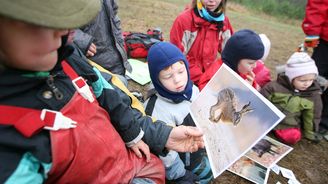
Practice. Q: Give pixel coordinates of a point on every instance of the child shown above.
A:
(169, 73)
(52, 125)
(241, 54)
(201, 33)
(297, 94)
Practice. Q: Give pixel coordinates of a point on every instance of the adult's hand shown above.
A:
(185, 139)
(92, 50)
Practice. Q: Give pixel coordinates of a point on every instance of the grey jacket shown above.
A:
(105, 32)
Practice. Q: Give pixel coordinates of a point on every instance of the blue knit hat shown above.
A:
(244, 44)
(160, 56)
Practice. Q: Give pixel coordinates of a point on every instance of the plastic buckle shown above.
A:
(56, 120)
(83, 89)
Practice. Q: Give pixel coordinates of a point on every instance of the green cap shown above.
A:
(62, 14)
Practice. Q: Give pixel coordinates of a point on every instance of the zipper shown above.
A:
(51, 83)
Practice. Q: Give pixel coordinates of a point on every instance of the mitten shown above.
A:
(311, 41)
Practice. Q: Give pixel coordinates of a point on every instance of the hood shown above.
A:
(160, 56)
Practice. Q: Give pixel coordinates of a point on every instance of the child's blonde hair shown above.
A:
(169, 67)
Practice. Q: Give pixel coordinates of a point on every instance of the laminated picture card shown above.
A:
(257, 162)
(233, 116)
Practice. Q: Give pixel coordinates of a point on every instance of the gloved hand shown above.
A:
(311, 41)
(188, 178)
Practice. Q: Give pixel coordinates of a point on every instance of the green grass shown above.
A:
(292, 9)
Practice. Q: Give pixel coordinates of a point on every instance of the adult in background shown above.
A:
(315, 26)
(101, 40)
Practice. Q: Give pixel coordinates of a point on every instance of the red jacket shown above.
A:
(316, 18)
(262, 74)
(199, 40)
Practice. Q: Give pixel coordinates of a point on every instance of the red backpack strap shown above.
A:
(30, 121)
(69, 70)
(78, 82)
(27, 121)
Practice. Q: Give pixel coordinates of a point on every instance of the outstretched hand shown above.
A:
(141, 148)
(185, 139)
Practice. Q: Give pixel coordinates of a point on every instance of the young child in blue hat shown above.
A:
(169, 72)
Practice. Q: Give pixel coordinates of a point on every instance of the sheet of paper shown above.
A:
(140, 72)
(287, 173)
(293, 181)
(276, 169)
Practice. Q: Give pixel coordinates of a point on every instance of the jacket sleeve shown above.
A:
(262, 74)
(314, 17)
(125, 108)
(308, 119)
(312, 116)
(208, 74)
(227, 33)
(116, 19)
(82, 40)
(108, 98)
(267, 91)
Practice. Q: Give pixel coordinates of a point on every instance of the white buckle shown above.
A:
(60, 121)
(84, 90)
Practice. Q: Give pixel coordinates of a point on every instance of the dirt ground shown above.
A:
(308, 161)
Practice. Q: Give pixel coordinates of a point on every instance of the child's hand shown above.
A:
(141, 147)
(92, 50)
(250, 77)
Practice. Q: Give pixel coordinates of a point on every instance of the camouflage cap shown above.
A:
(61, 14)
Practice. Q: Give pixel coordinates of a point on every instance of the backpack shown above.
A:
(137, 44)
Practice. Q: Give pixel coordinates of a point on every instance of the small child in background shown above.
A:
(241, 54)
(297, 94)
(169, 72)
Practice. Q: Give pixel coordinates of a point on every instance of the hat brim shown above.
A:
(60, 14)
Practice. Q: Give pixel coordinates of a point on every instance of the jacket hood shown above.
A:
(284, 80)
(160, 56)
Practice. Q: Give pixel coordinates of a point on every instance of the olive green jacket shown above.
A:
(302, 108)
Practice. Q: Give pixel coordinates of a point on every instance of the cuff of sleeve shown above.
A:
(136, 140)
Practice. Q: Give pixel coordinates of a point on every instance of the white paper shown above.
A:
(287, 173)
(276, 169)
(293, 181)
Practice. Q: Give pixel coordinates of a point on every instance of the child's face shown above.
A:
(246, 66)
(28, 47)
(174, 77)
(211, 4)
(303, 82)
